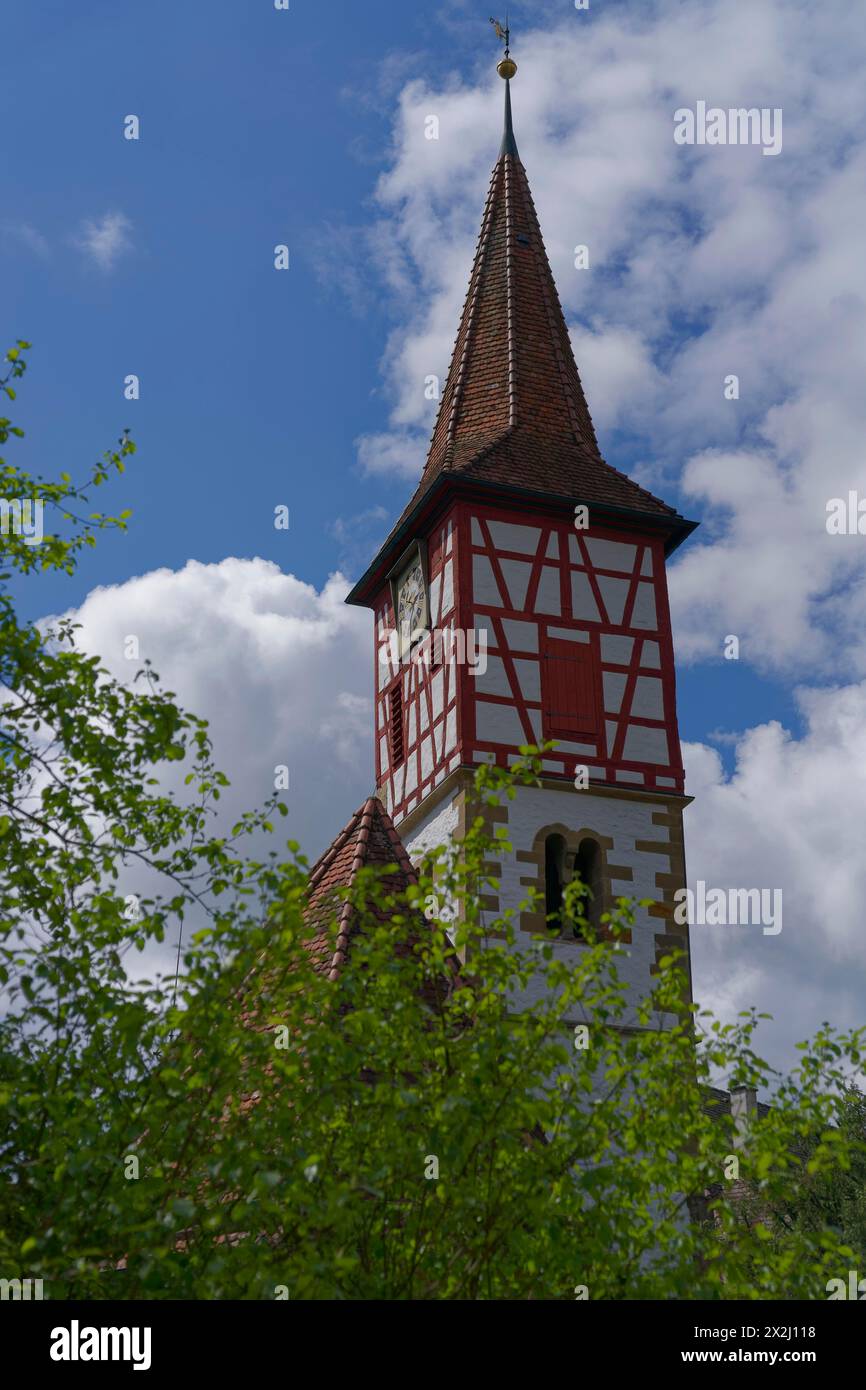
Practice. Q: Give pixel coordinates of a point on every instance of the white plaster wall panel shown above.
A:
(426, 758)
(497, 724)
(616, 649)
(666, 781)
(646, 568)
(482, 624)
(437, 687)
(454, 762)
(494, 681)
(625, 821)
(508, 536)
(644, 614)
(529, 678)
(450, 730)
(521, 637)
(399, 778)
(435, 599)
(384, 759)
(411, 727)
(574, 551)
(447, 644)
(411, 774)
(480, 756)
(645, 745)
(477, 536)
(517, 574)
(449, 543)
(547, 598)
(434, 829)
(437, 738)
(625, 776)
(534, 718)
(613, 593)
(484, 587)
(650, 656)
(611, 736)
(553, 546)
(447, 588)
(583, 602)
(648, 701)
(583, 750)
(568, 634)
(614, 688)
(424, 715)
(611, 555)
(389, 800)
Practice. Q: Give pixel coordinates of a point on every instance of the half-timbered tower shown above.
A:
(522, 597)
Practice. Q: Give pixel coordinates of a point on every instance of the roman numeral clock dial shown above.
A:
(411, 603)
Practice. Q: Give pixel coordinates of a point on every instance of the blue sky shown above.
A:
(253, 384)
(261, 388)
(257, 127)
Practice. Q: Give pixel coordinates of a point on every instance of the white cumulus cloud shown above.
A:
(282, 672)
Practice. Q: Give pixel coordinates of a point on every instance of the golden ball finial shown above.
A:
(506, 67)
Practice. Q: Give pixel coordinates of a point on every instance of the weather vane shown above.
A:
(506, 67)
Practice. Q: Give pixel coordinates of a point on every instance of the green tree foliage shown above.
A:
(255, 1130)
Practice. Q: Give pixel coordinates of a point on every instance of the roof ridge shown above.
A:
(364, 818)
(327, 855)
(341, 949)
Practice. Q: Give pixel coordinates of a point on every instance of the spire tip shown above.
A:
(506, 67)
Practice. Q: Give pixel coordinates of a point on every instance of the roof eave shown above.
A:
(679, 528)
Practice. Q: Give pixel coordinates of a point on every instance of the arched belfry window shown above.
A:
(561, 865)
(588, 868)
(554, 880)
(560, 854)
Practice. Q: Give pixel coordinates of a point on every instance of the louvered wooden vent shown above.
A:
(396, 726)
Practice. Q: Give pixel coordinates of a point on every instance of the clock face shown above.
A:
(411, 603)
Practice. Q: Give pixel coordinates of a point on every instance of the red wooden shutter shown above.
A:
(568, 689)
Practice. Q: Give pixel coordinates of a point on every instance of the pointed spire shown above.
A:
(509, 144)
(513, 410)
(512, 414)
(507, 68)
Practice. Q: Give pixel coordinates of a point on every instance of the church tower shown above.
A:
(522, 597)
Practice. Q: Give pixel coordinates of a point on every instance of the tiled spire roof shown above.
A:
(513, 415)
(513, 409)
